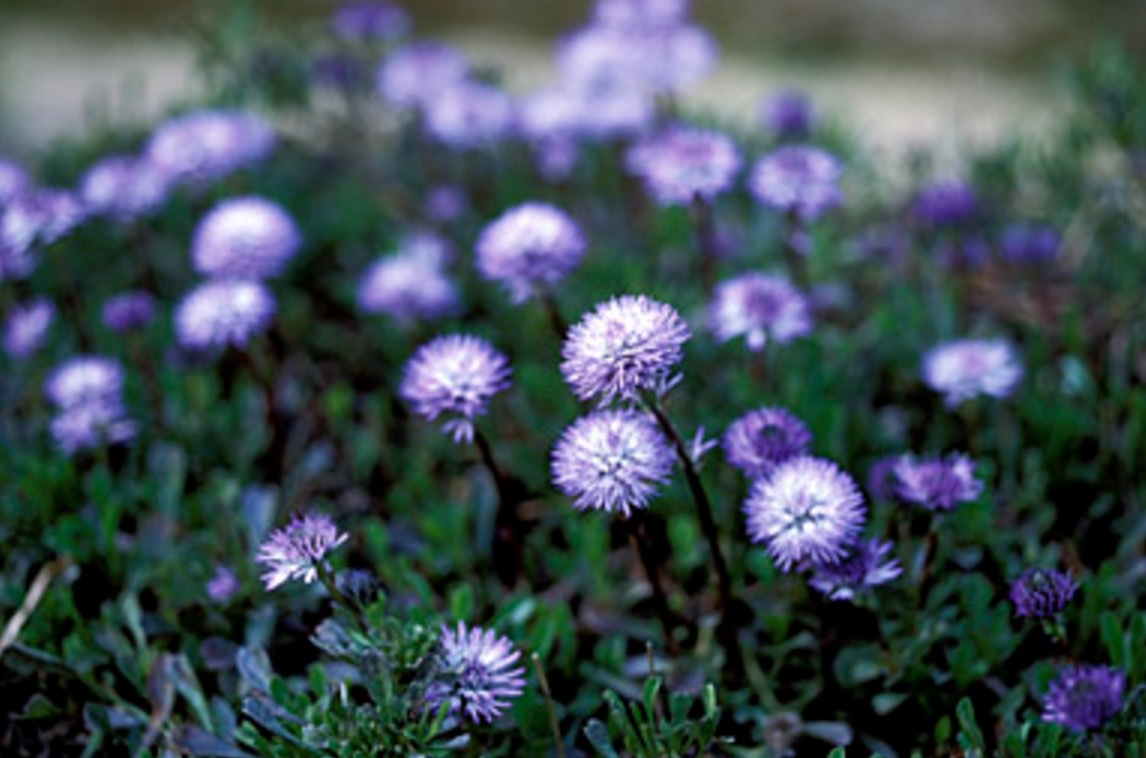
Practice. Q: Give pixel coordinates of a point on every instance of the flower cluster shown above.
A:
(759, 307)
(476, 674)
(87, 391)
(298, 550)
(528, 248)
(961, 370)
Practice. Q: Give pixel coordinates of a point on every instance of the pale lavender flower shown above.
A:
(14, 180)
(222, 312)
(469, 115)
(529, 248)
(32, 220)
(454, 376)
(945, 204)
(964, 369)
(648, 60)
(625, 346)
(1042, 593)
(27, 327)
(1084, 697)
(680, 165)
(552, 113)
(222, 585)
(798, 179)
(1029, 244)
(128, 311)
(408, 287)
(938, 484)
(612, 460)
(759, 307)
(415, 74)
(788, 115)
(206, 145)
(369, 20)
(477, 674)
(640, 14)
(124, 188)
(762, 439)
(868, 566)
(445, 203)
(298, 550)
(806, 511)
(84, 380)
(555, 157)
(245, 238)
(91, 424)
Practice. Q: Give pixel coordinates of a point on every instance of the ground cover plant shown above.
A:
(367, 409)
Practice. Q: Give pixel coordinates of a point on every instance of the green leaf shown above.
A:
(598, 735)
(965, 712)
(1112, 638)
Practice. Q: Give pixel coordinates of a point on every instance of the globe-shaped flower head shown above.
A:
(128, 311)
(528, 248)
(27, 326)
(88, 392)
(469, 115)
(625, 346)
(223, 312)
(124, 188)
(788, 115)
(454, 376)
(758, 307)
(964, 369)
(85, 379)
(408, 287)
(612, 460)
(245, 238)
(1042, 593)
(937, 484)
(867, 567)
(762, 439)
(298, 550)
(682, 164)
(477, 674)
(806, 510)
(944, 204)
(798, 179)
(1084, 697)
(414, 74)
(206, 145)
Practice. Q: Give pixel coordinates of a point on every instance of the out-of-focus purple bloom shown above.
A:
(408, 287)
(881, 479)
(222, 585)
(1084, 697)
(758, 308)
(762, 439)
(887, 244)
(445, 203)
(970, 251)
(469, 115)
(1029, 244)
(128, 311)
(34, 219)
(92, 424)
(223, 312)
(612, 460)
(649, 59)
(83, 380)
(369, 20)
(788, 115)
(477, 674)
(417, 73)
(625, 346)
(806, 511)
(298, 550)
(1042, 593)
(640, 14)
(798, 179)
(946, 204)
(206, 145)
(245, 238)
(124, 188)
(339, 71)
(14, 180)
(555, 157)
(454, 376)
(681, 164)
(556, 112)
(868, 566)
(938, 484)
(963, 369)
(529, 248)
(27, 326)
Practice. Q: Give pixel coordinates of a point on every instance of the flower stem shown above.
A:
(795, 257)
(554, 722)
(507, 545)
(639, 535)
(553, 313)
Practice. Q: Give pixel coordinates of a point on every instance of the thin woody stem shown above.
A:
(553, 313)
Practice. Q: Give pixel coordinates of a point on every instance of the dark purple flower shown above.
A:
(798, 179)
(245, 238)
(445, 203)
(222, 585)
(206, 145)
(124, 188)
(868, 566)
(963, 369)
(339, 71)
(417, 73)
(1029, 244)
(612, 461)
(1042, 593)
(368, 20)
(298, 550)
(758, 307)
(682, 164)
(938, 484)
(27, 327)
(881, 479)
(762, 439)
(14, 180)
(788, 115)
(806, 511)
(128, 311)
(477, 674)
(223, 312)
(946, 204)
(1084, 697)
(967, 251)
(469, 115)
(529, 248)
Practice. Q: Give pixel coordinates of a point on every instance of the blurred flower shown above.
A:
(762, 439)
(1029, 244)
(555, 157)
(965, 251)
(368, 20)
(34, 219)
(27, 326)
(648, 59)
(417, 73)
(868, 566)
(758, 307)
(612, 460)
(529, 248)
(938, 484)
(245, 238)
(222, 312)
(807, 510)
(298, 550)
(788, 115)
(92, 424)
(881, 479)
(625, 346)
(963, 369)
(946, 204)
(222, 585)
(205, 145)
(14, 180)
(408, 287)
(123, 188)
(85, 379)
(1042, 593)
(640, 13)
(445, 202)
(128, 311)
(797, 179)
(339, 71)
(682, 164)
(469, 115)
(1084, 697)
(455, 375)
(477, 675)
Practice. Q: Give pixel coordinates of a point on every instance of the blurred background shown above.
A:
(902, 72)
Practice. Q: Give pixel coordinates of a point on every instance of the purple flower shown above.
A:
(529, 248)
(124, 188)
(868, 566)
(627, 345)
(298, 550)
(205, 145)
(455, 376)
(965, 251)
(476, 674)
(245, 238)
(807, 510)
(1042, 593)
(963, 369)
(797, 179)
(416, 73)
(612, 461)
(14, 180)
(1084, 697)
(938, 484)
(223, 312)
(445, 203)
(222, 585)
(758, 307)
(647, 59)
(640, 13)
(27, 327)
(681, 164)
(34, 219)
(788, 115)
(1029, 244)
(552, 113)
(128, 311)
(92, 424)
(339, 71)
(85, 379)
(881, 479)
(762, 439)
(469, 115)
(946, 204)
(367, 20)
(408, 287)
